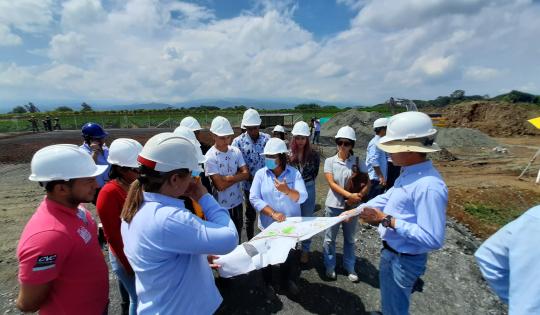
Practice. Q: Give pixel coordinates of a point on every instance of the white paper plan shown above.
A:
(272, 245)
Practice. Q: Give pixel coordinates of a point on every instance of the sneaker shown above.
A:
(304, 258)
(331, 274)
(353, 277)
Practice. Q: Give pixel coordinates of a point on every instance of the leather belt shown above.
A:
(386, 246)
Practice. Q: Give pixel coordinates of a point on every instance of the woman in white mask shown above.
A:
(277, 192)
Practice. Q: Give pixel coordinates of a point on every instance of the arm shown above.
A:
(335, 187)
(223, 182)
(41, 258)
(109, 206)
(31, 297)
(186, 233)
(255, 194)
(493, 260)
(373, 156)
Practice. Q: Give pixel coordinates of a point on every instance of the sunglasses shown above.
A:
(344, 143)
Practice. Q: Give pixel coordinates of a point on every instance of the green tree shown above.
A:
(18, 110)
(311, 106)
(86, 108)
(457, 94)
(63, 109)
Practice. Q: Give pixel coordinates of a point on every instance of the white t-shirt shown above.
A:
(225, 163)
(341, 171)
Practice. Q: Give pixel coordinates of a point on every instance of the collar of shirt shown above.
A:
(164, 200)
(344, 162)
(56, 206)
(284, 174)
(417, 168)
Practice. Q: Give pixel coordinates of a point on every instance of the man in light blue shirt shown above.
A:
(411, 216)
(376, 160)
(509, 261)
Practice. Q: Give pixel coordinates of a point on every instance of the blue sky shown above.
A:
(343, 51)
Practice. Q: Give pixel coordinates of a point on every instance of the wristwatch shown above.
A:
(387, 221)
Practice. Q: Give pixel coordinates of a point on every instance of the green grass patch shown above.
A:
(492, 215)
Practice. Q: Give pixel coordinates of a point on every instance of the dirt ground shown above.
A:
(453, 282)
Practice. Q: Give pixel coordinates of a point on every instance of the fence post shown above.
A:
(76, 125)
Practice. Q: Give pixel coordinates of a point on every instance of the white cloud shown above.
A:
(31, 16)
(7, 38)
(149, 50)
(481, 73)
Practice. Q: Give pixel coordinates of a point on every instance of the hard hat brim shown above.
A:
(100, 169)
(407, 146)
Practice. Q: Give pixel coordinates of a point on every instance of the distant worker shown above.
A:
(411, 216)
(507, 261)
(279, 132)
(277, 193)
(338, 169)
(123, 171)
(376, 159)
(166, 245)
(45, 126)
(194, 125)
(226, 168)
(49, 123)
(306, 161)
(34, 122)
(57, 124)
(251, 144)
(317, 131)
(61, 266)
(94, 143)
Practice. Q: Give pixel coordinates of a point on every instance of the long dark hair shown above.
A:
(149, 181)
(295, 151)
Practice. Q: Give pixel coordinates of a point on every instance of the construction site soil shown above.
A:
(474, 175)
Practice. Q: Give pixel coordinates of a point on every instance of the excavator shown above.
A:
(396, 103)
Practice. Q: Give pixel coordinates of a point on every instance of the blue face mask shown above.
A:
(195, 173)
(270, 163)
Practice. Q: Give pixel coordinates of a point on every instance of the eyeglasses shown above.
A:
(252, 128)
(344, 143)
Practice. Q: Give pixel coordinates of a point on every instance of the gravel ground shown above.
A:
(453, 284)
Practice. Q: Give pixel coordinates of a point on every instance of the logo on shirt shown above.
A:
(45, 262)
(84, 234)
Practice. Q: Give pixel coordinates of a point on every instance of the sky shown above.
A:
(343, 51)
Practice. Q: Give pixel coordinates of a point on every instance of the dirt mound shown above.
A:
(464, 137)
(493, 118)
(442, 155)
(361, 122)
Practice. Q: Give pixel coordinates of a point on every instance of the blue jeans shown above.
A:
(307, 208)
(397, 276)
(127, 281)
(329, 245)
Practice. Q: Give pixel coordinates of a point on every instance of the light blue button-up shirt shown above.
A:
(263, 193)
(418, 201)
(167, 246)
(101, 160)
(376, 157)
(510, 263)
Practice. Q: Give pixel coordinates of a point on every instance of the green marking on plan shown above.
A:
(272, 233)
(288, 230)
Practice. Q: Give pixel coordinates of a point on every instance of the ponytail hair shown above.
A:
(149, 181)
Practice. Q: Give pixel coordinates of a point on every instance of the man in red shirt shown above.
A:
(61, 267)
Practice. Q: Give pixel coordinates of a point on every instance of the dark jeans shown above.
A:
(376, 189)
(287, 270)
(316, 137)
(251, 216)
(237, 216)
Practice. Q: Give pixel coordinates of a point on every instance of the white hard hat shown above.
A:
(380, 122)
(251, 118)
(191, 123)
(63, 162)
(221, 127)
(187, 133)
(166, 152)
(409, 131)
(279, 128)
(275, 146)
(124, 152)
(301, 128)
(346, 132)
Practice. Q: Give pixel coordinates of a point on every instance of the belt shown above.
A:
(386, 246)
